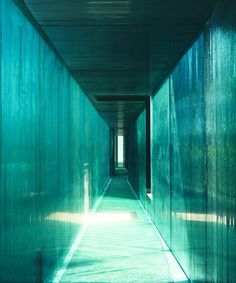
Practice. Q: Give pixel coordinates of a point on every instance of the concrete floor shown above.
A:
(120, 244)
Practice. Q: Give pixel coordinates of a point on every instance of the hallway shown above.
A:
(91, 90)
(121, 245)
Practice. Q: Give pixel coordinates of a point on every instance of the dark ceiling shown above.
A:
(120, 47)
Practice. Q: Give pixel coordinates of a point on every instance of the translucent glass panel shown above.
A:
(188, 163)
(161, 161)
(193, 154)
(54, 153)
(193, 160)
(137, 156)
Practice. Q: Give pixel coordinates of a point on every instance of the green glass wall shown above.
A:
(54, 153)
(136, 155)
(194, 153)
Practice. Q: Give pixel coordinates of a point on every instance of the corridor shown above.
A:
(117, 141)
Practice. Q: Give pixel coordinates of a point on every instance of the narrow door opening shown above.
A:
(120, 151)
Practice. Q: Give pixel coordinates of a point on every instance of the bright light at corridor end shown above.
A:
(120, 149)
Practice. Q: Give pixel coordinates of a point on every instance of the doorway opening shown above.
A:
(120, 148)
(120, 151)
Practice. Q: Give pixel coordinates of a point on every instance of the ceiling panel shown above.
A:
(120, 47)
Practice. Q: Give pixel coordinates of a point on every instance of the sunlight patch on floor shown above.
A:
(92, 218)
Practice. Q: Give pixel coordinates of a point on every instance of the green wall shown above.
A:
(54, 151)
(137, 156)
(194, 154)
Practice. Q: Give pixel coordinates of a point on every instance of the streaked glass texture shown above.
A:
(54, 153)
(194, 153)
(137, 156)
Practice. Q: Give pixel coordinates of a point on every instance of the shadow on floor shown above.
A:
(120, 172)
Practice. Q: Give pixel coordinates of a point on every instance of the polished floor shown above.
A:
(120, 244)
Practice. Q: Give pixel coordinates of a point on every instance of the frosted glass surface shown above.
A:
(194, 154)
(54, 153)
(137, 156)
